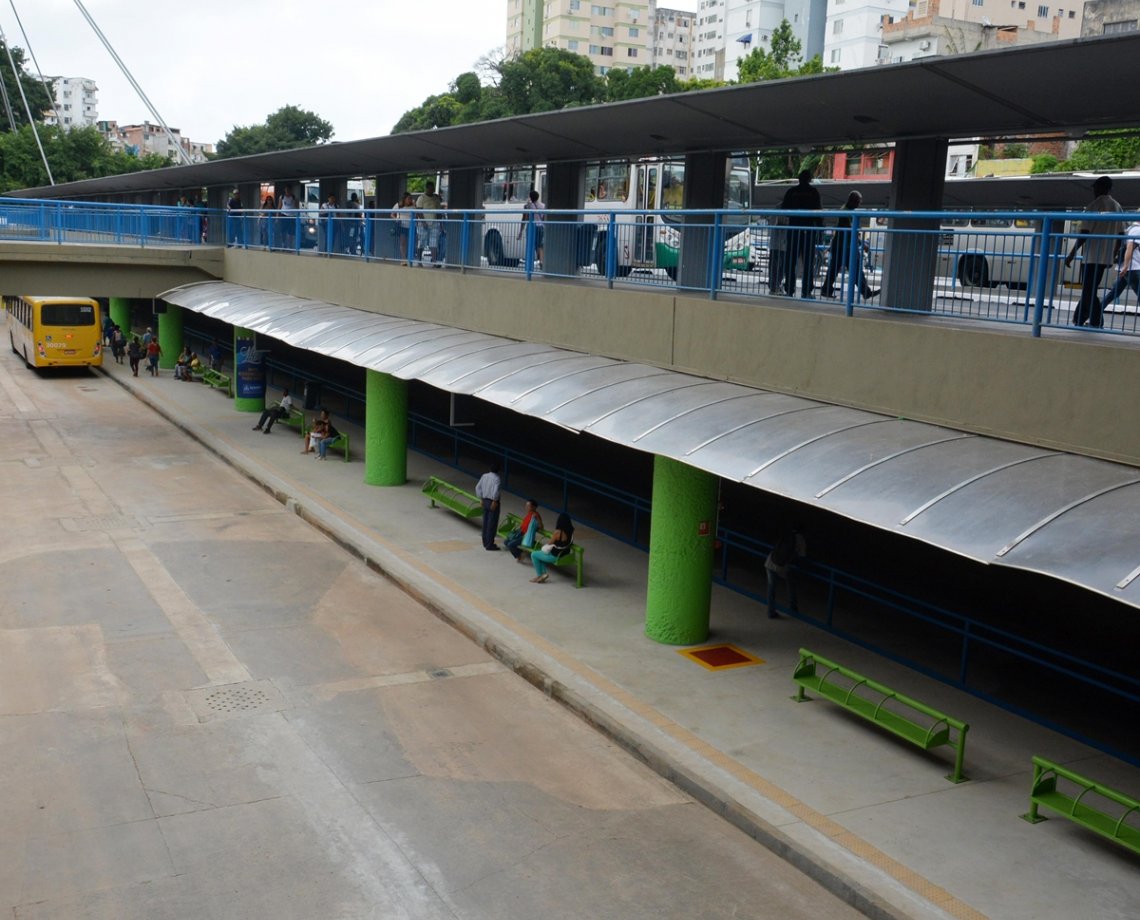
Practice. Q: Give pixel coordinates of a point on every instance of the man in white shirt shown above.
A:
(1129, 276)
(273, 413)
(487, 490)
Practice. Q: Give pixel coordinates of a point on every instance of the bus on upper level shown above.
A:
(55, 331)
(617, 191)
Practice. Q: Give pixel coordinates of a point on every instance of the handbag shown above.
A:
(548, 548)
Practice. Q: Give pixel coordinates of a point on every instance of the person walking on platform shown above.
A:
(134, 354)
(1099, 253)
(487, 490)
(840, 251)
(778, 567)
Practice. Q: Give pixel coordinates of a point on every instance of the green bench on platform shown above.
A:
(1076, 806)
(883, 708)
(573, 558)
(453, 498)
(295, 419)
(217, 380)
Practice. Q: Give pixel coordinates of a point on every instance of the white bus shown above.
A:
(613, 189)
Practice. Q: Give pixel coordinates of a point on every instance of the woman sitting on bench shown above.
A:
(561, 538)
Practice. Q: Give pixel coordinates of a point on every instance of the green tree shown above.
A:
(81, 153)
(1044, 163)
(641, 82)
(1108, 150)
(784, 58)
(548, 79)
(286, 129)
(39, 99)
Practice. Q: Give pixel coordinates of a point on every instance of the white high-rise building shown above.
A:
(673, 41)
(708, 40)
(76, 102)
(750, 23)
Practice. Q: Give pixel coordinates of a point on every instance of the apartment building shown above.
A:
(1110, 17)
(76, 102)
(140, 140)
(673, 41)
(611, 33)
(861, 33)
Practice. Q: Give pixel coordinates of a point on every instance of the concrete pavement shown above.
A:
(871, 817)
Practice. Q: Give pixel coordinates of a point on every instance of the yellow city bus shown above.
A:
(55, 331)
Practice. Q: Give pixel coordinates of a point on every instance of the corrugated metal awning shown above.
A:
(1071, 517)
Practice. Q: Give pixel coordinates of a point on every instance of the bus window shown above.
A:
(673, 186)
(67, 314)
(607, 181)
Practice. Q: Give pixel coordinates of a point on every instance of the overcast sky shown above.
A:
(208, 65)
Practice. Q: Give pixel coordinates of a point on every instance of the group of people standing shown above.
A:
(488, 490)
(430, 243)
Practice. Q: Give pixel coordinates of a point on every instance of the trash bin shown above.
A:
(312, 395)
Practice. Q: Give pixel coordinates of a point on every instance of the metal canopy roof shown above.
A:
(1028, 90)
(997, 502)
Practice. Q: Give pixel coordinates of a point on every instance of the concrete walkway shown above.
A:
(872, 817)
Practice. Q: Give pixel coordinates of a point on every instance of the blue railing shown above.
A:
(1002, 267)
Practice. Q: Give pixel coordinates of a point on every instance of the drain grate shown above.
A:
(237, 699)
(439, 673)
(231, 700)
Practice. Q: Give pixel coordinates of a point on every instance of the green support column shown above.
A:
(385, 430)
(170, 335)
(680, 553)
(248, 375)
(120, 310)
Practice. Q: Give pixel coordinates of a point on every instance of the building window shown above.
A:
(1043, 11)
(575, 5)
(1072, 14)
(1110, 28)
(835, 55)
(607, 51)
(601, 11)
(837, 27)
(634, 32)
(631, 52)
(572, 44)
(979, 2)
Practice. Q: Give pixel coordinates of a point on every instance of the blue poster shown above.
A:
(250, 370)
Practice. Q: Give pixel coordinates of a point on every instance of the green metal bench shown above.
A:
(925, 734)
(453, 498)
(342, 439)
(217, 380)
(1076, 807)
(572, 558)
(295, 419)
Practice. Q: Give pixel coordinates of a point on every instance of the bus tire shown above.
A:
(974, 271)
(493, 248)
(27, 363)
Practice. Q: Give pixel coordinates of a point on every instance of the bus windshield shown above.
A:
(67, 314)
